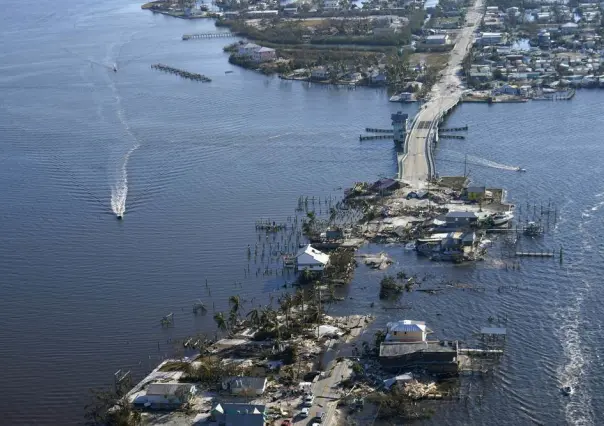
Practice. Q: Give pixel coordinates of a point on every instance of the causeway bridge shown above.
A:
(415, 163)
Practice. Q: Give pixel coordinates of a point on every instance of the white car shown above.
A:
(308, 400)
(304, 412)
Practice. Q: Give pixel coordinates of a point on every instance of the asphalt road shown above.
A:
(413, 165)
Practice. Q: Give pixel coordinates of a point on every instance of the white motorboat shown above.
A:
(566, 390)
(520, 169)
(502, 218)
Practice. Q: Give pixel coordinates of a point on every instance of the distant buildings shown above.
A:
(438, 40)
(489, 39)
(257, 53)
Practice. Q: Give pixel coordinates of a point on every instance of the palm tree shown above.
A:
(254, 316)
(298, 299)
(235, 303)
(221, 321)
(268, 317)
(286, 303)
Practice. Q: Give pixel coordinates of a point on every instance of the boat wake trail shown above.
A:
(474, 160)
(119, 190)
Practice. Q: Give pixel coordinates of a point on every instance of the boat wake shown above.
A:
(460, 157)
(119, 190)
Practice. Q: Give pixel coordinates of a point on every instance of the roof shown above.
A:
(399, 349)
(462, 214)
(265, 49)
(315, 254)
(409, 326)
(168, 388)
(437, 37)
(234, 408)
(250, 46)
(247, 382)
(570, 25)
(483, 188)
(491, 34)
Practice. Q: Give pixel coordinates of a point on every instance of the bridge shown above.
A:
(415, 163)
(208, 35)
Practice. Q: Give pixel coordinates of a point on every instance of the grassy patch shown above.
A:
(175, 366)
(433, 60)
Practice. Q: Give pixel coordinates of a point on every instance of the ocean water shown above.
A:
(192, 166)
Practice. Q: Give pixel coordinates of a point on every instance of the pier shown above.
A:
(558, 96)
(372, 130)
(207, 35)
(374, 137)
(182, 73)
(415, 163)
(453, 129)
(451, 137)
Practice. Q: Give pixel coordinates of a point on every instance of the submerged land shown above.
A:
(290, 361)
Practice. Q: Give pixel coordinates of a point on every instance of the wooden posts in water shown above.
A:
(207, 35)
(168, 320)
(182, 73)
(373, 137)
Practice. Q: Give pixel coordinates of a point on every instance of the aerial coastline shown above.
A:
(442, 218)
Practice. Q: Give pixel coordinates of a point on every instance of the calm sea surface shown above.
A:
(194, 165)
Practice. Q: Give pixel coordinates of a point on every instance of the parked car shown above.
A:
(304, 412)
(286, 422)
(308, 400)
(319, 417)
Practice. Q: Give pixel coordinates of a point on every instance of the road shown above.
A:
(413, 166)
(327, 393)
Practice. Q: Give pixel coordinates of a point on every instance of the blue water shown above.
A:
(194, 165)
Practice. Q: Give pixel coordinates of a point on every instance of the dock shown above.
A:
(453, 129)
(182, 73)
(373, 137)
(207, 35)
(558, 96)
(451, 136)
(535, 253)
(372, 130)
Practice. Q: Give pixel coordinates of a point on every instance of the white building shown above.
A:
(161, 396)
(487, 39)
(246, 386)
(319, 73)
(311, 259)
(248, 49)
(438, 39)
(406, 331)
(331, 4)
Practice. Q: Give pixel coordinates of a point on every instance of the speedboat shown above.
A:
(520, 169)
(114, 67)
(502, 218)
(566, 390)
(120, 217)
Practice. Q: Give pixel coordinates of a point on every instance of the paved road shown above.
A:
(413, 166)
(327, 393)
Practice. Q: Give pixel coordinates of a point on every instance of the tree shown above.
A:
(235, 304)
(221, 321)
(109, 408)
(254, 316)
(287, 302)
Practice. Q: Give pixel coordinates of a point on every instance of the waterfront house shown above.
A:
(311, 259)
(406, 331)
(290, 9)
(165, 396)
(385, 185)
(246, 386)
(434, 357)
(377, 77)
(460, 219)
(231, 414)
(319, 73)
(248, 49)
(264, 54)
